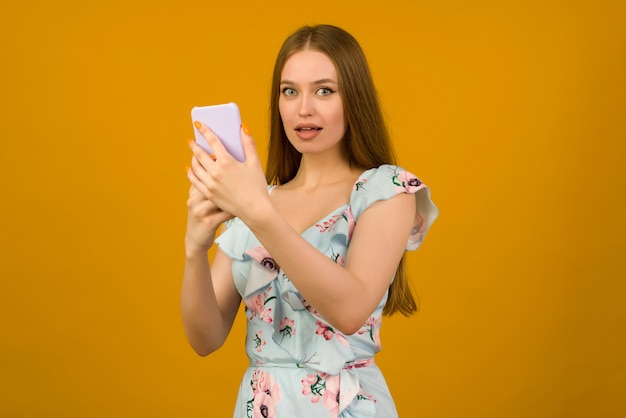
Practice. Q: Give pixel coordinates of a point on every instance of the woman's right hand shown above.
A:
(203, 220)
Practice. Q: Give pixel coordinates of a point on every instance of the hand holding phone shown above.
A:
(225, 122)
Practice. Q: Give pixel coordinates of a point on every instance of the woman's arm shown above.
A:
(209, 300)
(344, 296)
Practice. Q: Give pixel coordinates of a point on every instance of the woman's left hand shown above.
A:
(234, 187)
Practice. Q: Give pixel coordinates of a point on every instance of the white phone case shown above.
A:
(225, 121)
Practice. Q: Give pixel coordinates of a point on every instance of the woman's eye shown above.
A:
(288, 91)
(324, 91)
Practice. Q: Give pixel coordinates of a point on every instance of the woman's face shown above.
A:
(310, 103)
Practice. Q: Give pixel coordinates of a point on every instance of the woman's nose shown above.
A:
(306, 106)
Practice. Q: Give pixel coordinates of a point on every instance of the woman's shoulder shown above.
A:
(386, 181)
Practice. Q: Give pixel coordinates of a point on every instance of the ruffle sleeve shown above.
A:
(230, 241)
(387, 181)
(253, 268)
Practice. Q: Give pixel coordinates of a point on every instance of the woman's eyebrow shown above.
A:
(316, 82)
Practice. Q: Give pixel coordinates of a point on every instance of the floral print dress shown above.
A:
(299, 365)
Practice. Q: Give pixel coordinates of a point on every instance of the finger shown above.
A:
(191, 144)
(195, 180)
(197, 167)
(199, 171)
(202, 209)
(249, 148)
(214, 142)
(200, 153)
(195, 195)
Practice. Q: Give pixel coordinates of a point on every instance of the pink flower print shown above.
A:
(324, 330)
(364, 396)
(330, 398)
(328, 333)
(259, 342)
(359, 184)
(313, 385)
(287, 328)
(265, 382)
(372, 326)
(263, 406)
(406, 181)
(266, 394)
(256, 306)
(358, 364)
(337, 257)
(347, 215)
(328, 225)
(309, 307)
(324, 386)
(261, 256)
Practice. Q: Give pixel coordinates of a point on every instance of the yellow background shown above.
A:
(513, 113)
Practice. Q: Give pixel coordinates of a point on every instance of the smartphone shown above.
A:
(225, 121)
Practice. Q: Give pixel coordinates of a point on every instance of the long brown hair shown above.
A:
(366, 139)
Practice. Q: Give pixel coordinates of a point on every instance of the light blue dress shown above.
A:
(299, 365)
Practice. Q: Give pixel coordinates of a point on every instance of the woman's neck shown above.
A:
(318, 170)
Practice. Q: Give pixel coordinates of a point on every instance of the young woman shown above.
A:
(316, 256)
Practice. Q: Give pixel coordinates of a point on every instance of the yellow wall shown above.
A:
(513, 112)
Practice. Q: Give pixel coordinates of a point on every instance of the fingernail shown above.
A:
(189, 142)
(245, 128)
(212, 157)
(187, 169)
(197, 124)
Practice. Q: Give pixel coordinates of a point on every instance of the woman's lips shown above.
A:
(307, 132)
